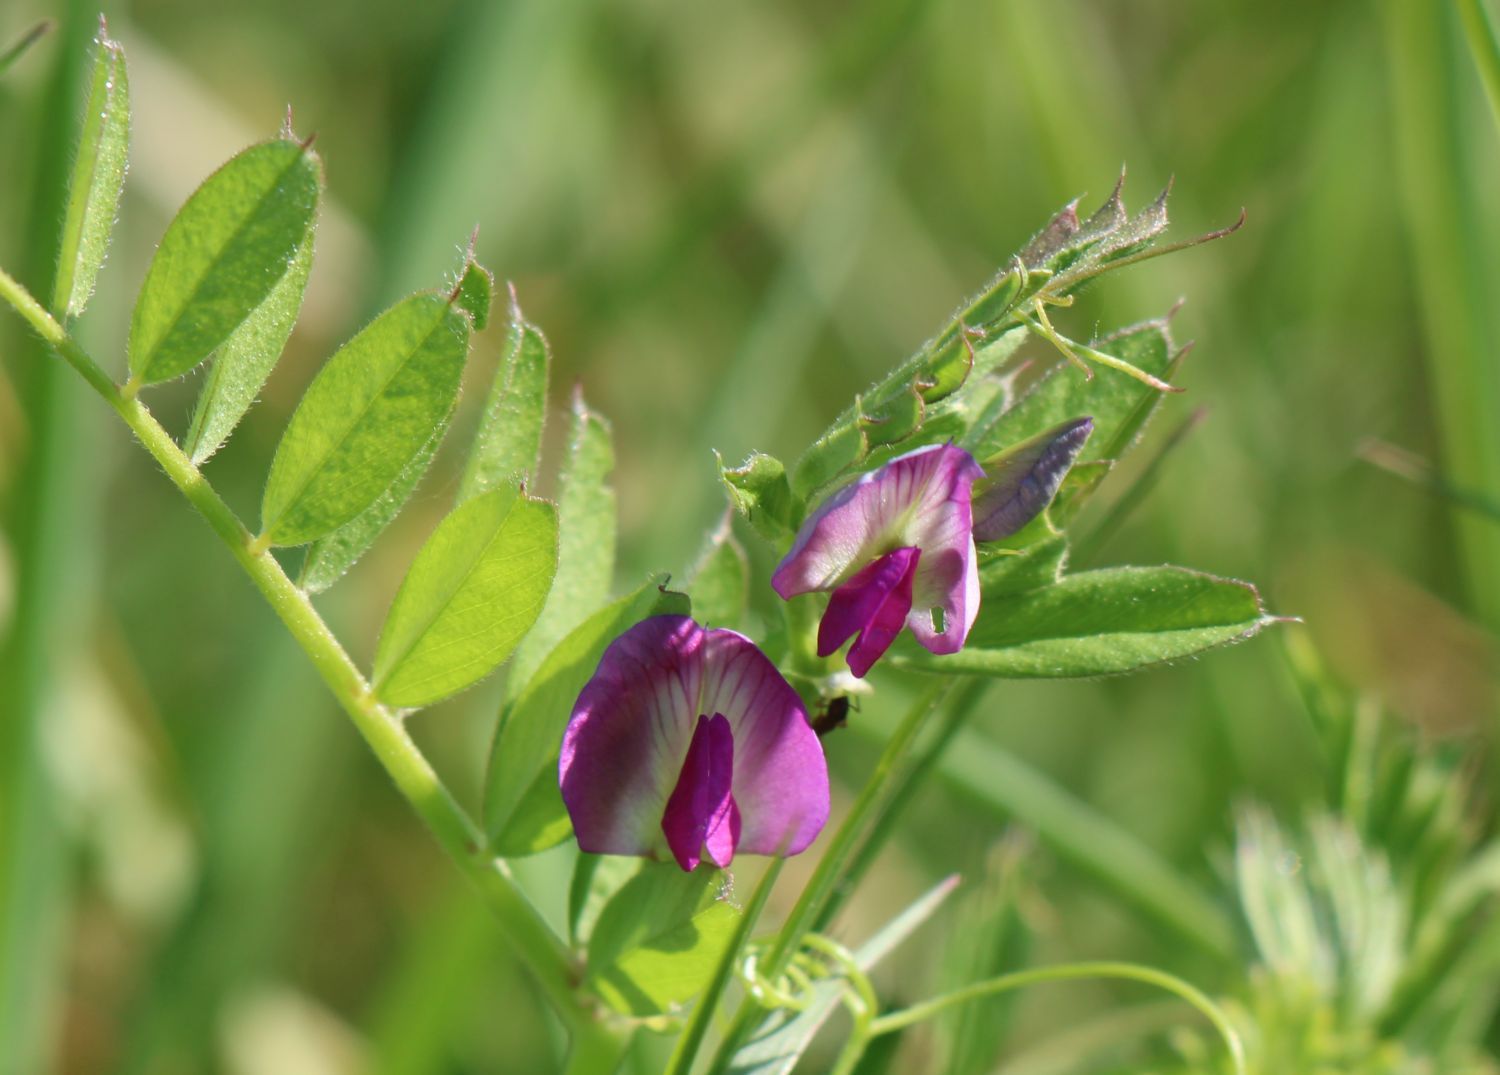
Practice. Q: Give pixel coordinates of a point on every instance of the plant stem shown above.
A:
(539, 948)
(820, 887)
(900, 1020)
(831, 866)
(955, 714)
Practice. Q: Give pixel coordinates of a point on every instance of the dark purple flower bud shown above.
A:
(1020, 482)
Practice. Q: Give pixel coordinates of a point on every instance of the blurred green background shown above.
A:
(728, 219)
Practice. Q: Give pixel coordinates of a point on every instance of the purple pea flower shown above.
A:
(896, 547)
(687, 738)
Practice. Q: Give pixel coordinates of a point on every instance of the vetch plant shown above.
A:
(661, 741)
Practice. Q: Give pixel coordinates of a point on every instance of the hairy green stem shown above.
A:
(541, 950)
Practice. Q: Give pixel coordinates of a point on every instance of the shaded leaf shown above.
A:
(508, 445)
(1102, 622)
(222, 255)
(1014, 572)
(372, 409)
(471, 595)
(596, 879)
(759, 490)
(1118, 403)
(331, 556)
(523, 808)
(657, 942)
(98, 178)
(245, 360)
(719, 582)
(586, 555)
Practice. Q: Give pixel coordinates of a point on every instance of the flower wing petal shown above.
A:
(629, 735)
(941, 525)
(780, 775)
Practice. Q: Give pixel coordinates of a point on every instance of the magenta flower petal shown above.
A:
(674, 711)
(701, 813)
(874, 605)
(919, 500)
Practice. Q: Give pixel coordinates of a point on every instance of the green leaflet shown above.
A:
(1118, 403)
(759, 490)
(332, 555)
(596, 879)
(523, 809)
(586, 557)
(471, 595)
(1102, 622)
(1008, 573)
(221, 256)
(719, 582)
(475, 292)
(245, 360)
(508, 445)
(366, 416)
(98, 178)
(656, 944)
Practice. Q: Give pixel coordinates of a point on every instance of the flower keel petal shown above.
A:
(873, 605)
(700, 812)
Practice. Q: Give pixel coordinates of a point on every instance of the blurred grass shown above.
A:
(728, 220)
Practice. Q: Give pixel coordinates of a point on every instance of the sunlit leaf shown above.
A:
(508, 445)
(475, 292)
(523, 807)
(586, 555)
(245, 360)
(222, 255)
(1102, 622)
(471, 595)
(657, 942)
(98, 178)
(596, 879)
(367, 415)
(332, 555)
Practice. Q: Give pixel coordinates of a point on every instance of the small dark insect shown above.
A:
(833, 715)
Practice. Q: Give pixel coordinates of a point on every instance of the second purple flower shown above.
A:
(896, 548)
